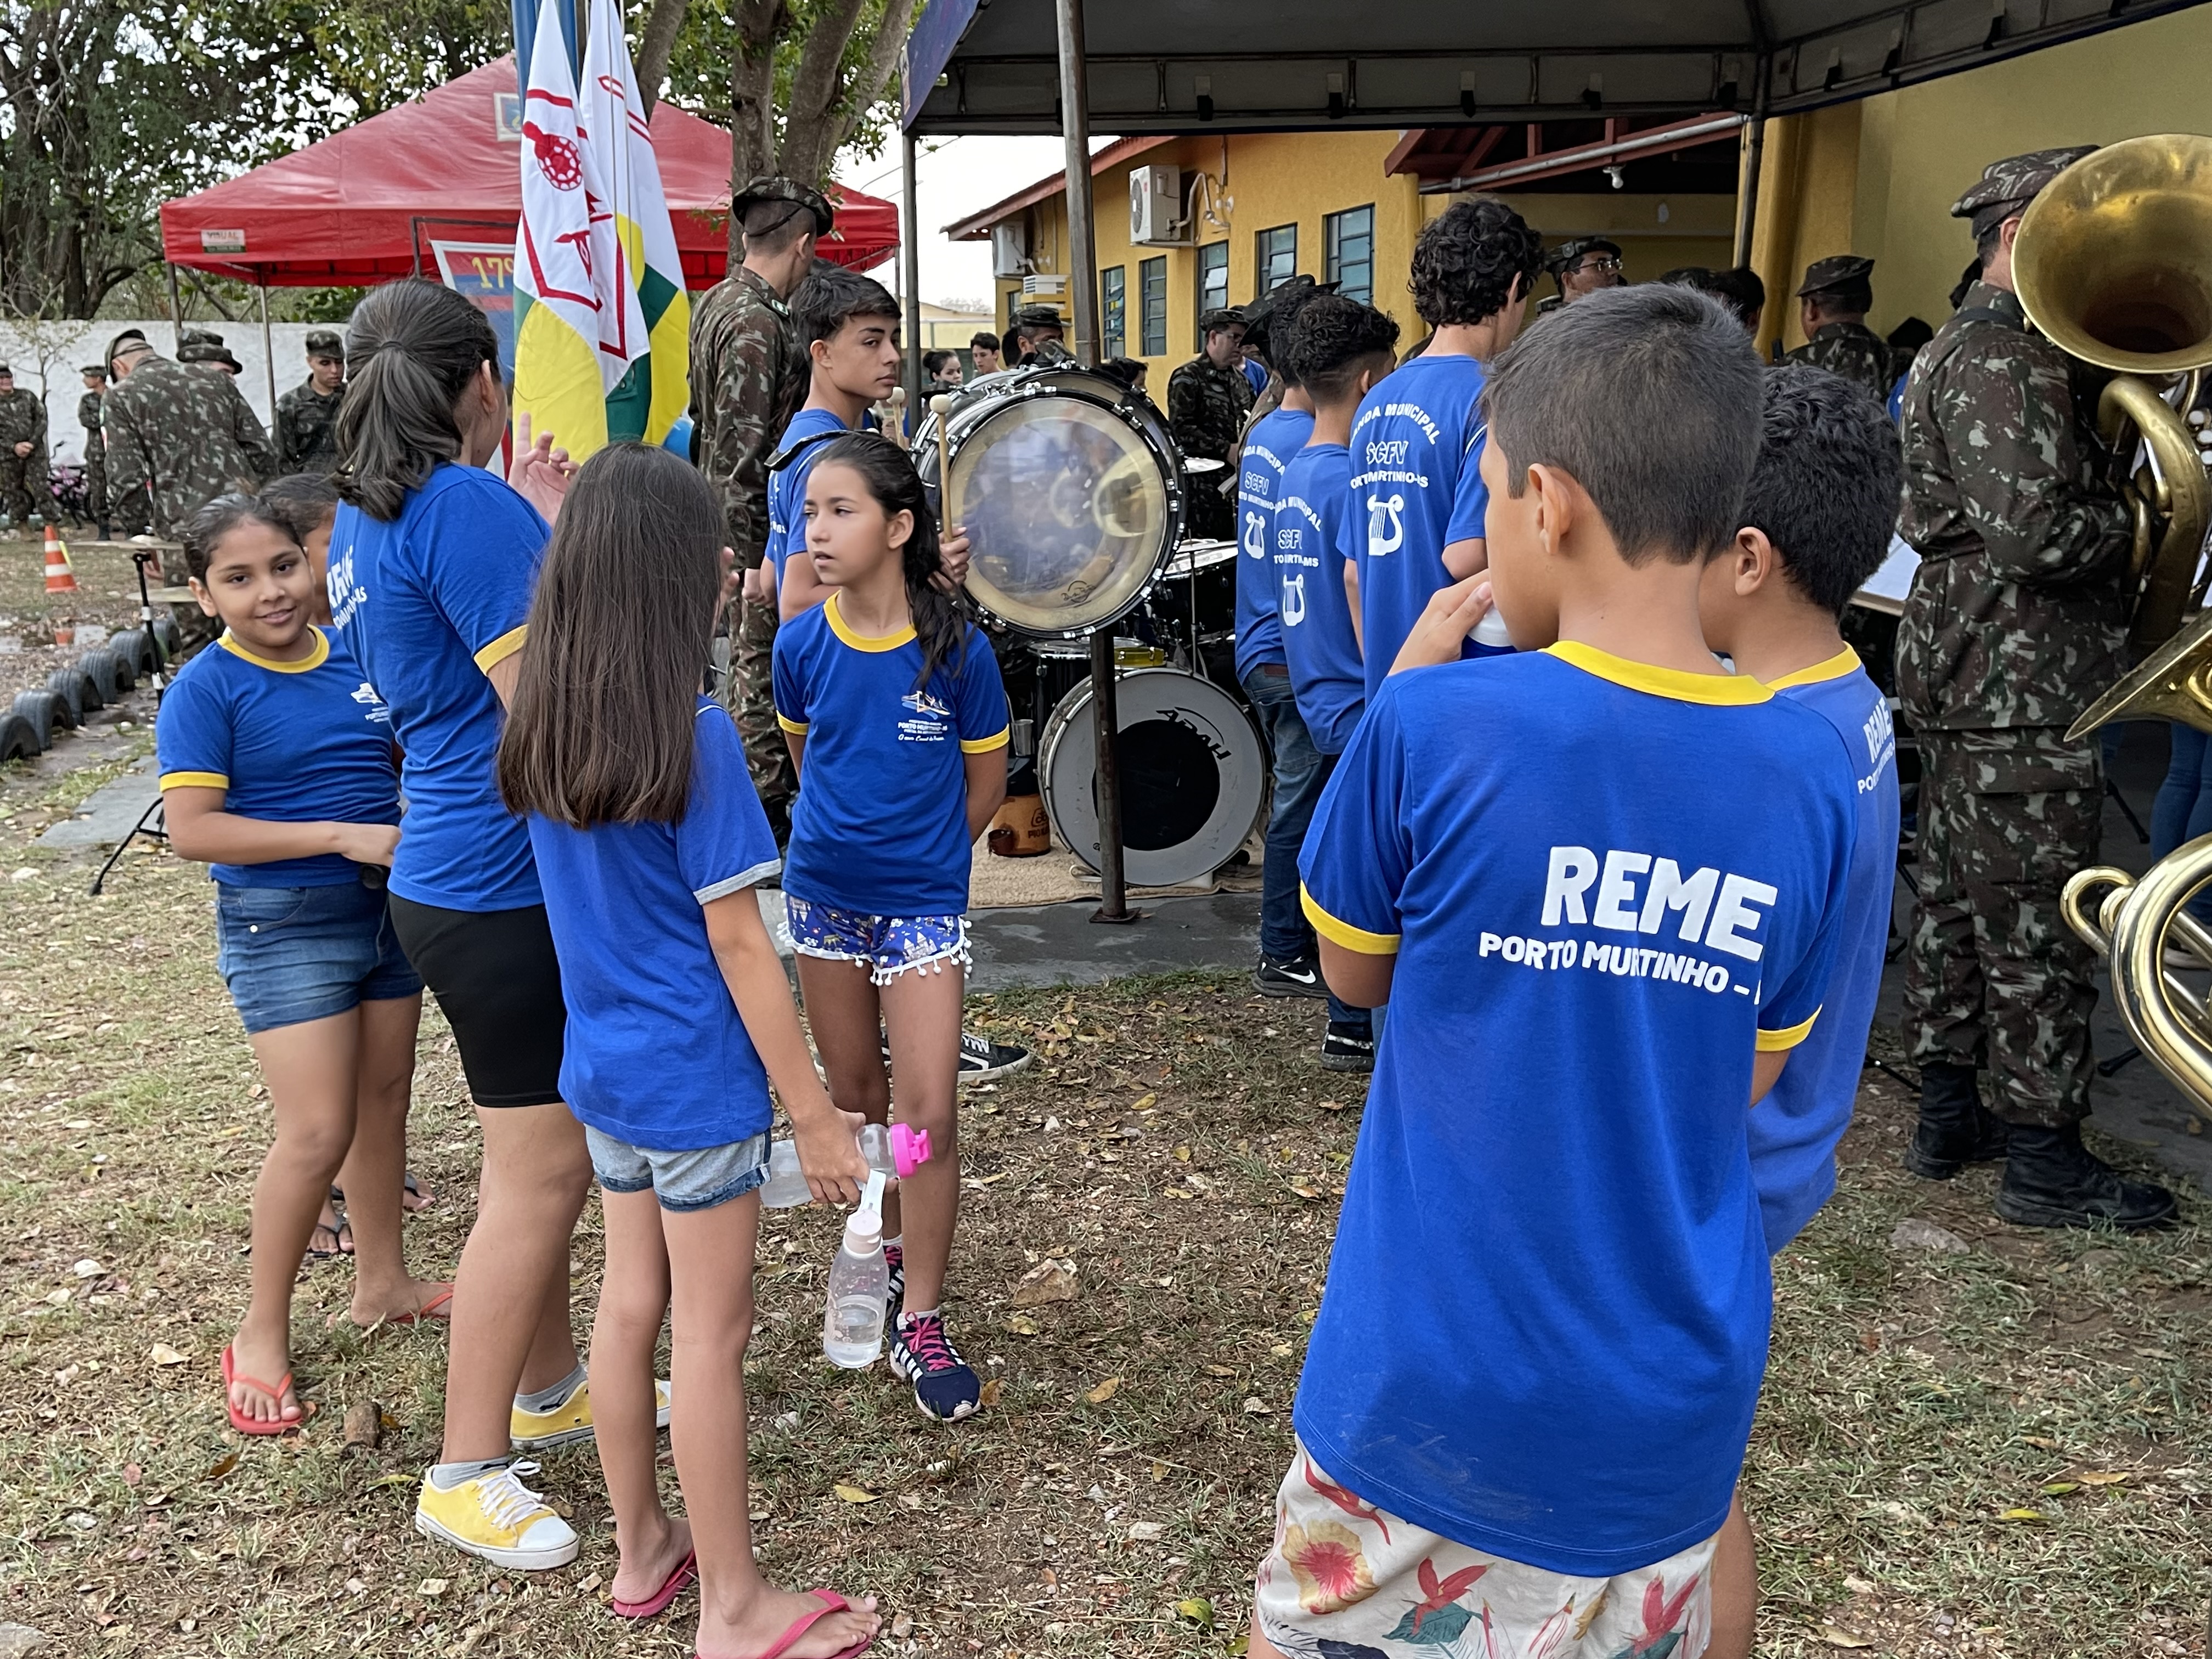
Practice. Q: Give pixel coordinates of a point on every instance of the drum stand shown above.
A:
(1113, 886)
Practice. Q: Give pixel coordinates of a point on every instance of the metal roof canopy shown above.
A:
(1184, 66)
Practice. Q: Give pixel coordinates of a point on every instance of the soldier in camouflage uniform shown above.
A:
(95, 445)
(1208, 398)
(747, 379)
(179, 435)
(25, 489)
(2017, 620)
(1832, 303)
(307, 415)
(1581, 266)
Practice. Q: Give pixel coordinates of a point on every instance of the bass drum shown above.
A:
(1071, 488)
(1194, 775)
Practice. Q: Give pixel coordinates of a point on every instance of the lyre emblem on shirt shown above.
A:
(1386, 530)
(1255, 535)
(366, 695)
(1294, 599)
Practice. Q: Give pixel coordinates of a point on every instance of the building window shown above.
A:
(1212, 281)
(1152, 295)
(1113, 313)
(1351, 236)
(1279, 257)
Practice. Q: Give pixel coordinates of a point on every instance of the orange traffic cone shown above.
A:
(60, 578)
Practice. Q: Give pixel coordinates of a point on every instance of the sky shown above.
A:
(954, 178)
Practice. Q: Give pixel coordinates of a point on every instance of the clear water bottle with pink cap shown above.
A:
(892, 1150)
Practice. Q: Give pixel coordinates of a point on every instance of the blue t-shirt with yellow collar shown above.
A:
(786, 486)
(1794, 1131)
(305, 742)
(881, 825)
(1607, 886)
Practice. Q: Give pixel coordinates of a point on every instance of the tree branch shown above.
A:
(662, 25)
(875, 76)
(808, 119)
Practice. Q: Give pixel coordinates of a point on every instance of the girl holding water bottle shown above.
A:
(649, 846)
(892, 706)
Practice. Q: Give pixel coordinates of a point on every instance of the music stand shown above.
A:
(152, 823)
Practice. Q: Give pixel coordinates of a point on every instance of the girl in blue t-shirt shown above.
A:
(896, 719)
(647, 851)
(277, 769)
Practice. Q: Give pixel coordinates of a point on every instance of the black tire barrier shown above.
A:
(17, 740)
(108, 673)
(40, 708)
(126, 660)
(138, 651)
(68, 687)
(171, 637)
(91, 693)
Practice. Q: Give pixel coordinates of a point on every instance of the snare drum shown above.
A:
(1192, 772)
(1070, 487)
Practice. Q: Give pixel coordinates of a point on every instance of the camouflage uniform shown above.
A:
(747, 372)
(24, 479)
(2017, 622)
(1206, 407)
(180, 435)
(95, 455)
(1854, 351)
(308, 430)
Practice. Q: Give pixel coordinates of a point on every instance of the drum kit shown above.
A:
(1073, 491)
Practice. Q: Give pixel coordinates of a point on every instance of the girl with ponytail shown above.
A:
(892, 706)
(432, 562)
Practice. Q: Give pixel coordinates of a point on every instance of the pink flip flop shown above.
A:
(240, 1421)
(686, 1571)
(832, 1602)
(436, 1311)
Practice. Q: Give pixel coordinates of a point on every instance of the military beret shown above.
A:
(2013, 183)
(1565, 257)
(776, 188)
(100, 369)
(1836, 271)
(325, 343)
(1220, 317)
(1039, 317)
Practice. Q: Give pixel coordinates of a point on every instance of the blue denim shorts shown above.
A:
(886, 945)
(696, 1180)
(293, 954)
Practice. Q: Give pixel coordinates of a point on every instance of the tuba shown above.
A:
(2114, 265)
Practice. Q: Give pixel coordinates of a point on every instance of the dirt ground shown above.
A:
(1996, 1451)
(106, 602)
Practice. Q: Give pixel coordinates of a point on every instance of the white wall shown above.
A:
(68, 346)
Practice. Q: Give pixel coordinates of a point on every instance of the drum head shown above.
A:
(1065, 489)
(1193, 776)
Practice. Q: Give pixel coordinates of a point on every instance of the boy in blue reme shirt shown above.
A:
(1816, 525)
(1417, 495)
(1337, 349)
(1601, 884)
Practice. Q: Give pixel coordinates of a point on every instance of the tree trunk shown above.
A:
(662, 25)
(752, 102)
(816, 88)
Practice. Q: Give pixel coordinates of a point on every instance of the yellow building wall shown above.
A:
(1260, 181)
(1878, 178)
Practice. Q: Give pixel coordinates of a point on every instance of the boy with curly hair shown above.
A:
(1417, 441)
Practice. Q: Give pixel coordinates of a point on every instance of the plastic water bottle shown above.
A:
(860, 1292)
(891, 1149)
(1490, 638)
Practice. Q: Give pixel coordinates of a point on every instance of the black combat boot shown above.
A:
(2051, 1180)
(1955, 1128)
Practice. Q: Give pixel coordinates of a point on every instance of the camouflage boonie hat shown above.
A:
(325, 343)
(1567, 255)
(1221, 316)
(2009, 184)
(776, 188)
(198, 336)
(208, 351)
(7, 370)
(100, 369)
(1836, 271)
(1039, 317)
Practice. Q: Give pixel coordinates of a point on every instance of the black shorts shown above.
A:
(499, 985)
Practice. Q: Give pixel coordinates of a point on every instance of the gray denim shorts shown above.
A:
(696, 1180)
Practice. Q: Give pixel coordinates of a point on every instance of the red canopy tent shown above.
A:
(366, 205)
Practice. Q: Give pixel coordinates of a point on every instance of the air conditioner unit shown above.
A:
(1010, 247)
(1045, 288)
(1155, 205)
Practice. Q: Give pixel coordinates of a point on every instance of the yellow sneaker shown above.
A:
(496, 1517)
(569, 1421)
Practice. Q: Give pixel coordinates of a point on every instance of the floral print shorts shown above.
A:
(1348, 1581)
(886, 946)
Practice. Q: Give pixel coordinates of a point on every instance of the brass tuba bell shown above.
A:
(2114, 265)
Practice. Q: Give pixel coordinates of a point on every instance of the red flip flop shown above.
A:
(686, 1571)
(429, 1312)
(246, 1424)
(832, 1602)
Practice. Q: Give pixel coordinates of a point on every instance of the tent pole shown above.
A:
(176, 309)
(910, 274)
(1082, 294)
(1747, 207)
(268, 357)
